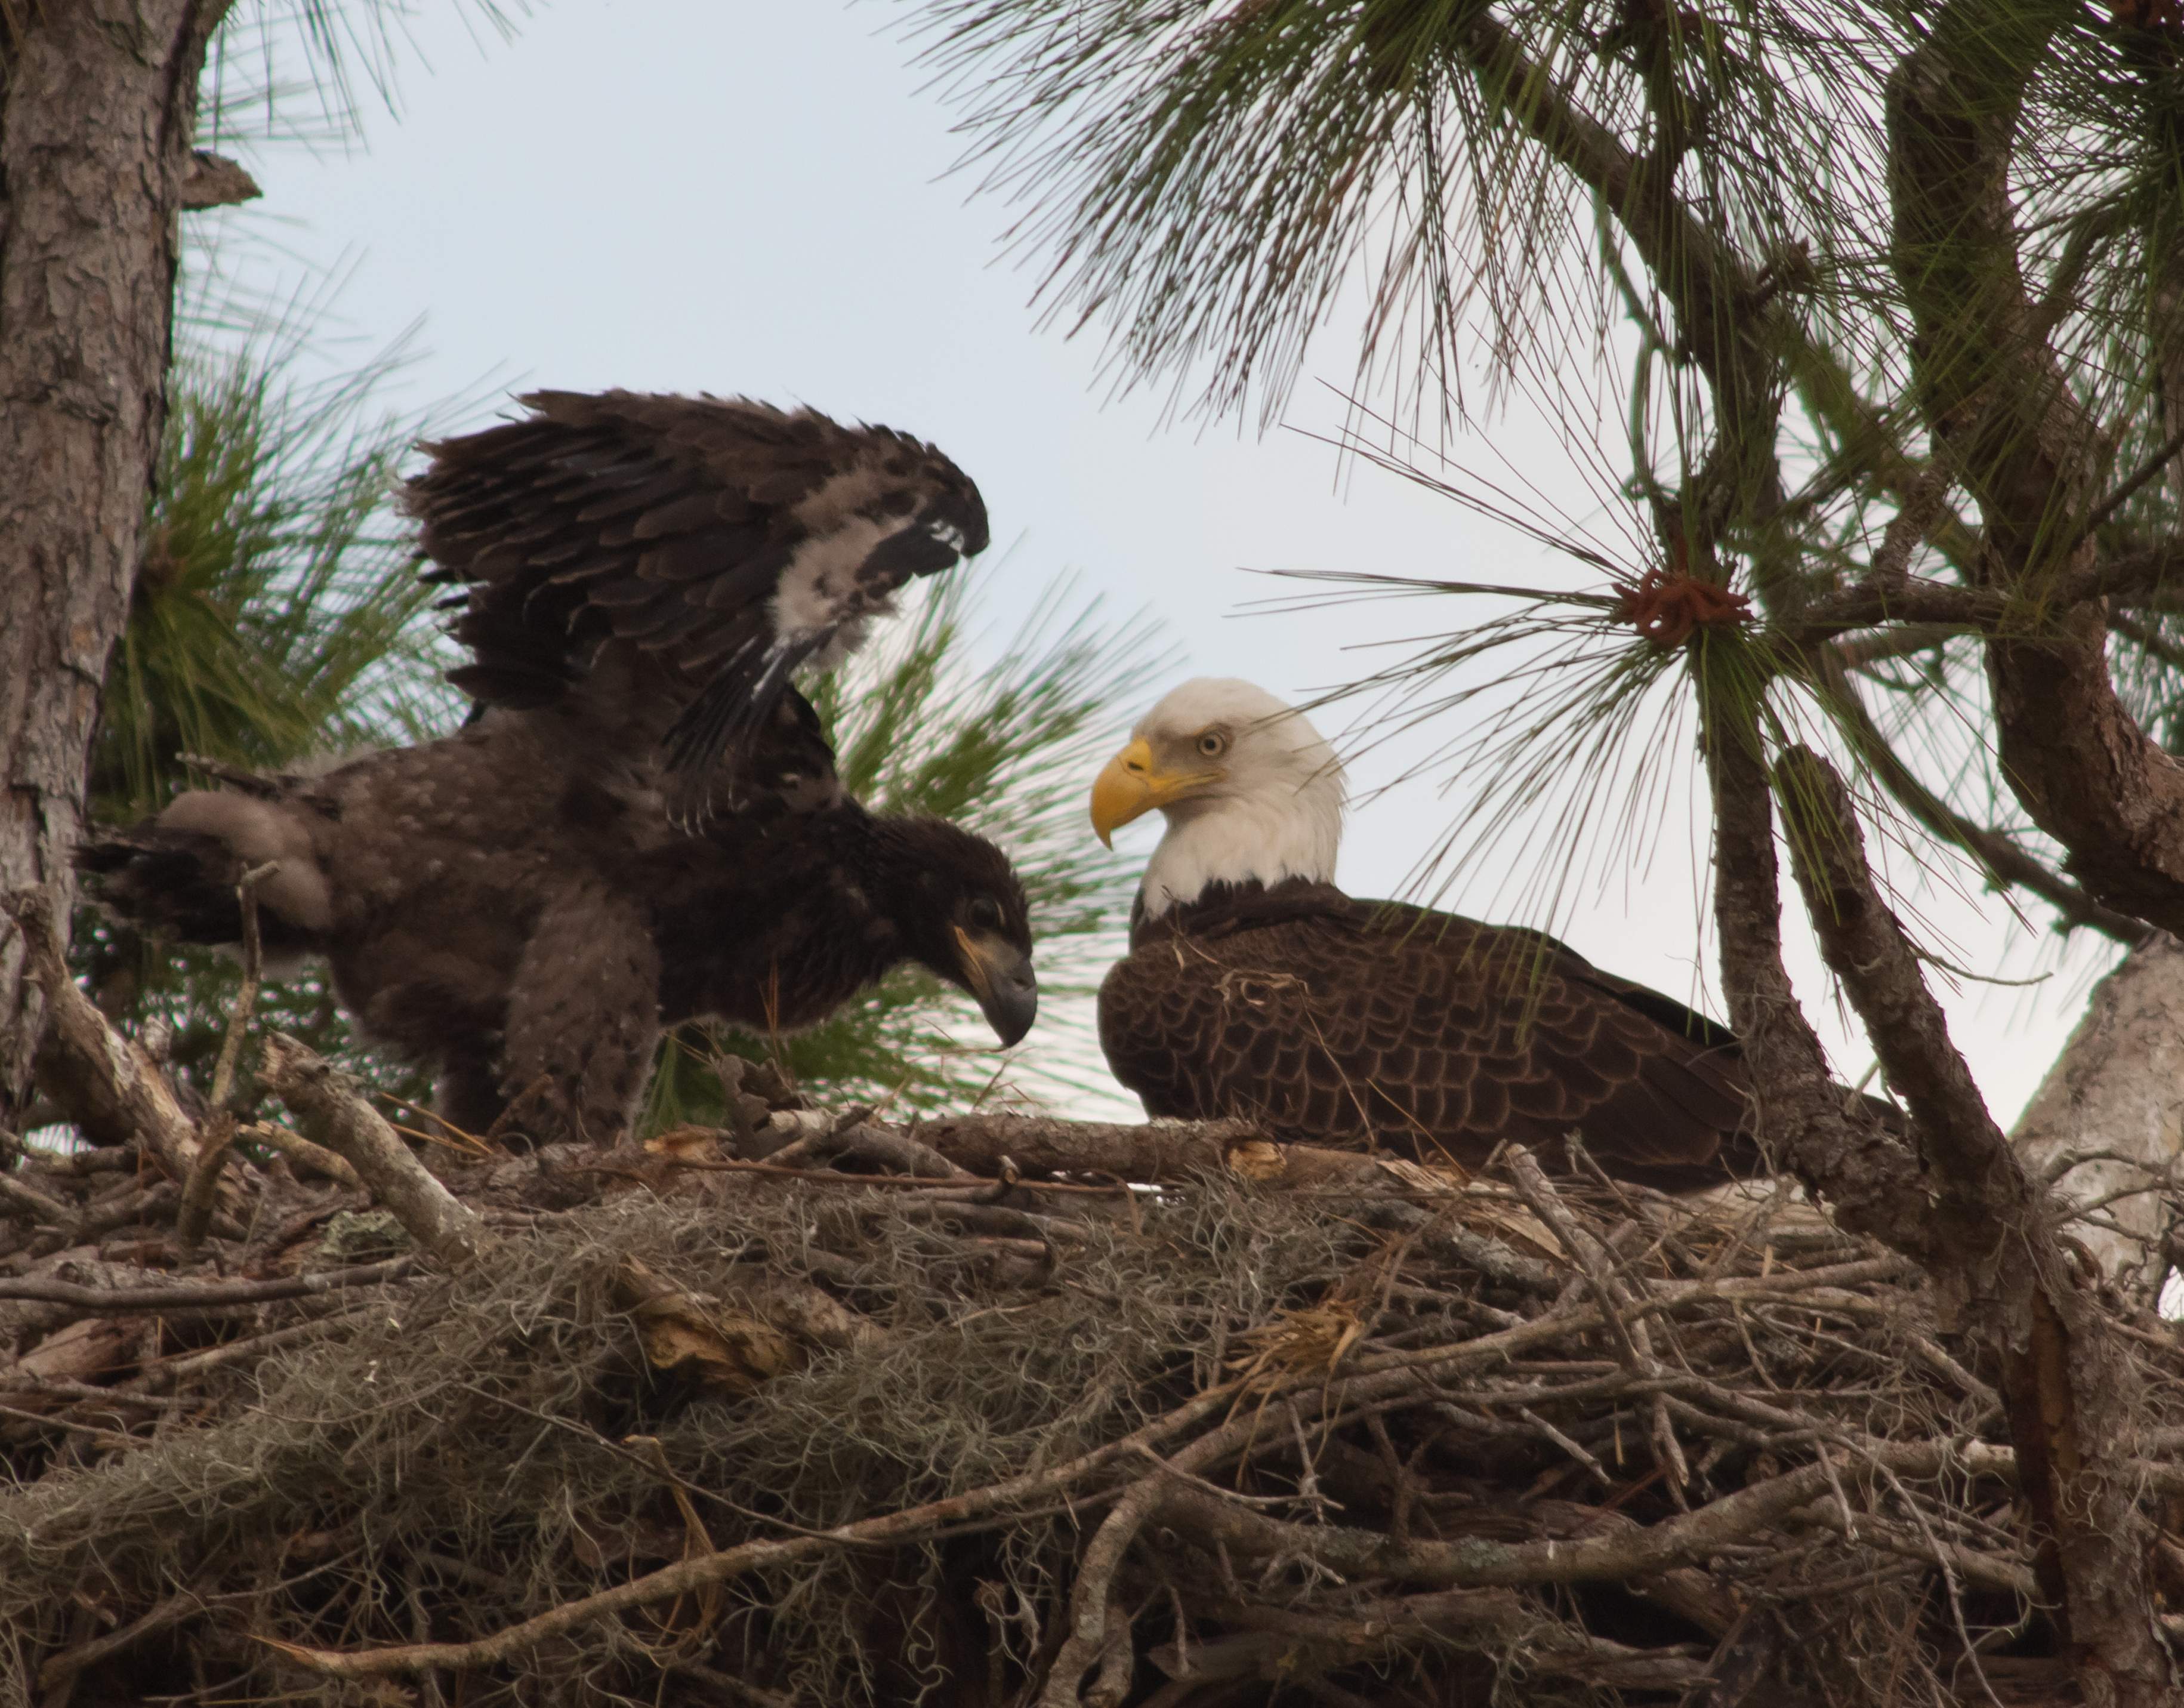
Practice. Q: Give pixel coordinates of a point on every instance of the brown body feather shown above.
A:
(1343, 1022)
(524, 904)
(524, 925)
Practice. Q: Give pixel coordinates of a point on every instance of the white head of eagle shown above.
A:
(1251, 790)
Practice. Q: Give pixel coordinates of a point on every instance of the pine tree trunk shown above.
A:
(2116, 1095)
(97, 106)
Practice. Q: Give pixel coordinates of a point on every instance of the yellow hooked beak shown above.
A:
(1131, 786)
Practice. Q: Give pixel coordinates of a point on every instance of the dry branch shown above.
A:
(2071, 1391)
(327, 1106)
(207, 1296)
(103, 1082)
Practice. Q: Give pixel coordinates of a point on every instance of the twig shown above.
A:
(918, 1183)
(327, 1106)
(865, 1140)
(173, 1610)
(39, 1206)
(45, 1420)
(193, 1296)
(682, 1578)
(102, 1081)
(217, 1136)
(2115, 500)
(298, 1149)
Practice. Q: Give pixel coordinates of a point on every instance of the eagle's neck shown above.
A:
(1244, 839)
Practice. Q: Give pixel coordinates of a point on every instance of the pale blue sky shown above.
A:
(756, 198)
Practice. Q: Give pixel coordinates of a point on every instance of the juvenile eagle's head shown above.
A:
(1251, 790)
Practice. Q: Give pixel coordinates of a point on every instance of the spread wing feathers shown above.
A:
(1351, 1021)
(727, 542)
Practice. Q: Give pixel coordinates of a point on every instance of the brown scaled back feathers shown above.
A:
(1336, 1021)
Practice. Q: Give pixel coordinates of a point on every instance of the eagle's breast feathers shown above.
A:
(1255, 988)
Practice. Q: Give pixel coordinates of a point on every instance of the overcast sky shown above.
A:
(756, 198)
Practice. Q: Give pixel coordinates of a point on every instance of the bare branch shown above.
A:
(2071, 1394)
(326, 1104)
(184, 1297)
(102, 1081)
(218, 1135)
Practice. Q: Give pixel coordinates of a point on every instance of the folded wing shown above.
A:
(1352, 1021)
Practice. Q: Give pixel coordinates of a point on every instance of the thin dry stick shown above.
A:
(326, 1104)
(217, 1135)
(191, 1296)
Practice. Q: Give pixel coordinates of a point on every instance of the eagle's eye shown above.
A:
(986, 914)
(1212, 742)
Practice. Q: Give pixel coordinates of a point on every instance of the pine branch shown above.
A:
(2071, 1391)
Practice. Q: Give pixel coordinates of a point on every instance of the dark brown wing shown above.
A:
(1423, 1032)
(720, 541)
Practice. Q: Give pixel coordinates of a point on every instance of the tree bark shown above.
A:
(2115, 1097)
(2070, 1388)
(1992, 389)
(98, 106)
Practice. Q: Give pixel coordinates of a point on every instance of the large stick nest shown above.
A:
(953, 1417)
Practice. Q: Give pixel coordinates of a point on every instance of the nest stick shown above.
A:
(217, 1137)
(327, 1106)
(102, 1081)
(300, 1150)
(187, 1295)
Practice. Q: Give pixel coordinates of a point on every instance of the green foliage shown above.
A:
(922, 725)
(277, 621)
(277, 617)
(1698, 208)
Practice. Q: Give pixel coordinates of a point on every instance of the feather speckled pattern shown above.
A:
(641, 821)
(1346, 1022)
(723, 543)
(495, 907)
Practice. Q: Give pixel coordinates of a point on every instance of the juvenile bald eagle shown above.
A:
(523, 904)
(716, 544)
(1255, 988)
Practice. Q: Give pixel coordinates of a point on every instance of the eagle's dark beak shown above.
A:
(1000, 975)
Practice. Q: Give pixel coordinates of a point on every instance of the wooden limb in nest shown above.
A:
(1148, 1151)
(103, 1082)
(218, 1132)
(2069, 1389)
(197, 1296)
(327, 1106)
(302, 1151)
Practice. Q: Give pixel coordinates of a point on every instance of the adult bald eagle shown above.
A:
(1255, 988)
(523, 904)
